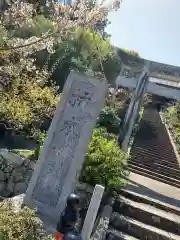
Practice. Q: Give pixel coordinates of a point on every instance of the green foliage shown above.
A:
(119, 101)
(105, 163)
(38, 30)
(25, 153)
(35, 27)
(19, 225)
(140, 113)
(112, 67)
(30, 100)
(27, 103)
(3, 35)
(109, 119)
(131, 52)
(41, 138)
(84, 50)
(172, 117)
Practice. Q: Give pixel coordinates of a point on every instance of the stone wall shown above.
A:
(15, 174)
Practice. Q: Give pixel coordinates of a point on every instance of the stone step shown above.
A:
(152, 176)
(151, 125)
(154, 117)
(152, 130)
(155, 169)
(152, 156)
(147, 122)
(156, 144)
(147, 162)
(153, 142)
(164, 151)
(113, 234)
(143, 138)
(148, 214)
(140, 230)
(153, 159)
(160, 175)
(151, 121)
(137, 197)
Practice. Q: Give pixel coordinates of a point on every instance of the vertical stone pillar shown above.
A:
(63, 152)
(133, 109)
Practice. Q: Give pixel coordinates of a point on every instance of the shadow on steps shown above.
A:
(143, 190)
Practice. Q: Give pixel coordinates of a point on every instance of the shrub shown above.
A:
(172, 116)
(41, 138)
(109, 119)
(27, 104)
(140, 114)
(105, 163)
(20, 225)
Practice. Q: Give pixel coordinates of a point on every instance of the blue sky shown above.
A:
(151, 27)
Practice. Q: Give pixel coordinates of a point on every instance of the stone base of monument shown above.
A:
(49, 226)
(49, 223)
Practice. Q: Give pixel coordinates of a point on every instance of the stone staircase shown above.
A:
(152, 154)
(149, 214)
(137, 217)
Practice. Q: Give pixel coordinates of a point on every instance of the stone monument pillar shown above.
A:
(62, 155)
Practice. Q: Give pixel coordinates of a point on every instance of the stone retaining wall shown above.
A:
(15, 174)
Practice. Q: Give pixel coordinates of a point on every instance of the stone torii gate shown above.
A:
(144, 76)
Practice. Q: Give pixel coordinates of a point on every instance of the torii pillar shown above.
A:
(133, 109)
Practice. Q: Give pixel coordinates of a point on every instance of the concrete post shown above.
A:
(92, 212)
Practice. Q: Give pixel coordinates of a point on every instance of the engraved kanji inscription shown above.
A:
(78, 110)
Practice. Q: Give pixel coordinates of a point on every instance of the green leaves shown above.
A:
(3, 35)
(35, 27)
(105, 163)
(172, 116)
(109, 119)
(19, 225)
(28, 102)
(84, 50)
